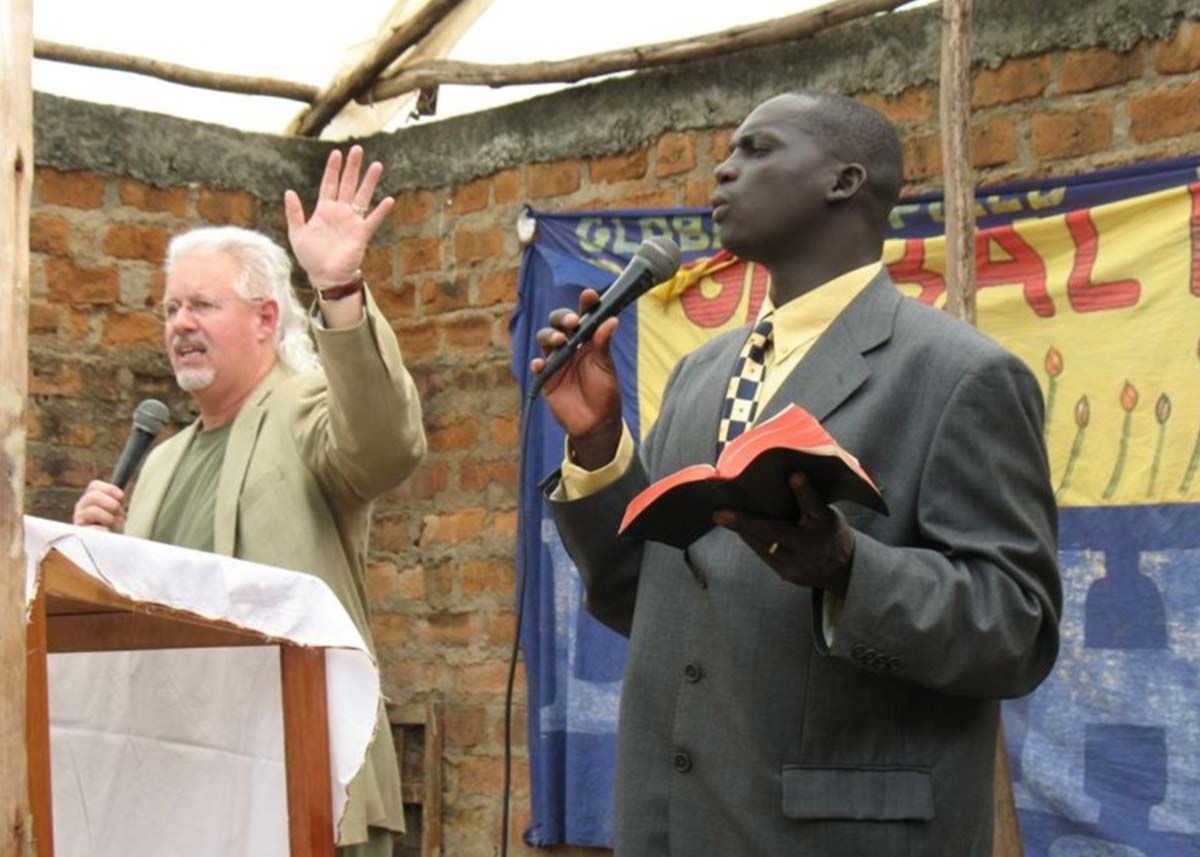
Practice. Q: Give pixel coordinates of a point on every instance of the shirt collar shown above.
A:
(801, 320)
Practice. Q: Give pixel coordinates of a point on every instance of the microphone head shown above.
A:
(150, 416)
(661, 256)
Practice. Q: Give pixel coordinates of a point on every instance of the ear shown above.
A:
(268, 320)
(850, 179)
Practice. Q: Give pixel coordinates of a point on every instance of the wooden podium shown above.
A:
(75, 612)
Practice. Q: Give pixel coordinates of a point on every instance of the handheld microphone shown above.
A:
(149, 417)
(655, 260)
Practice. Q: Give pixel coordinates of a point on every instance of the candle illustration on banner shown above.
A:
(1054, 367)
(1129, 400)
(1162, 413)
(1083, 414)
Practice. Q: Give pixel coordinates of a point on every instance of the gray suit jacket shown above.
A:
(307, 454)
(741, 732)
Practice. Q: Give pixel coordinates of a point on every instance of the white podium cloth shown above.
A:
(179, 753)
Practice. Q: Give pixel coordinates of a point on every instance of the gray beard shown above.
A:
(191, 380)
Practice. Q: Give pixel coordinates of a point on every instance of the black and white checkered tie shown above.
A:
(741, 398)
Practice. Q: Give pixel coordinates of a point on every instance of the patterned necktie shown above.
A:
(741, 399)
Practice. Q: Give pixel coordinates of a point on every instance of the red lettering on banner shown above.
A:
(910, 268)
(1085, 295)
(1023, 266)
(715, 311)
(1194, 223)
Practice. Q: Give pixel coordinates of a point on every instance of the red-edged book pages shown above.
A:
(751, 475)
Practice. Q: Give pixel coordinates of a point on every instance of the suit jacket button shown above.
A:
(682, 762)
(869, 657)
(693, 673)
(857, 651)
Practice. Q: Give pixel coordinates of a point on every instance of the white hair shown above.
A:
(265, 272)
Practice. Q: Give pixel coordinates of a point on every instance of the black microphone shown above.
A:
(655, 260)
(149, 417)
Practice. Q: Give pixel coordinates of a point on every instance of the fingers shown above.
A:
(102, 505)
(812, 505)
(366, 191)
(375, 219)
(294, 211)
(329, 181)
(349, 183)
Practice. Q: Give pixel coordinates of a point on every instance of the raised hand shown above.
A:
(330, 245)
(102, 506)
(584, 395)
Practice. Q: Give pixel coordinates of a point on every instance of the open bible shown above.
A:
(751, 475)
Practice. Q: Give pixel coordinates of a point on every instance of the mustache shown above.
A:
(180, 340)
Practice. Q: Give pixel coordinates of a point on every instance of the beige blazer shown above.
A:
(307, 454)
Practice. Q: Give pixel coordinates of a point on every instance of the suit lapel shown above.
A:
(835, 367)
(153, 482)
(238, 452)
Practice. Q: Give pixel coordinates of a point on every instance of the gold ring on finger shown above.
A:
(360, 210)
(774, 547)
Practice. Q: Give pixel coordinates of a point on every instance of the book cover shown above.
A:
(751, 475)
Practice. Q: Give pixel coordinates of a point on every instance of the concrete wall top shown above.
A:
(886, 55)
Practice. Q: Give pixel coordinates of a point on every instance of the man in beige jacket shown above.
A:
(290, 447)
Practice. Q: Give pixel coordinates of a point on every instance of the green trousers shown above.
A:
(379, 844)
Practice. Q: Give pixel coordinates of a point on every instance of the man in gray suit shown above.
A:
(828, 685)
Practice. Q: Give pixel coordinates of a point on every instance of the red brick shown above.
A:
(698, 192)
(911, 107)
(236, 207)
(1181, 53)
(486, 577)
(417, 677)
(126, 241)
(73, 189)
(481, 775)
(49, 377)
(149, 198)
(469, 333)
(453, 433)
(649, 198)
(427, 482)
(465, 726)
(719, 149)
(619, 168)
(387, 582)
(420, 341)
(132, 328)
(49, 234)
(450, 629)
(674, 153)
(506, 187)
(502, 627)
(463, 525)
(1016, 80)
(377, 265)
(440, 296)
(44, 318)
(398, 302)
(77, 284)
(472, 196)
(1165, 114)
(414, 206)
(488, 678)
(475, 475)
(504, 524)
(393, 532)
(478, 245)
(496, 288)
(506, 431)
(994, 143)
(1095, 68)
(1071, 134)
(556, 179)
(420, 254)
(58, 470)
(390, 629)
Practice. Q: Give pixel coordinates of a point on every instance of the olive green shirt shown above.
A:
(185, 517)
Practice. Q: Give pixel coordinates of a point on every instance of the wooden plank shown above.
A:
(37, 727)
(16, 187)
(798, 26)
(957, 169)
(306, 750)
(124, 632)
(172, 73)
(431, 806)
(339, 93)
(1006, 836)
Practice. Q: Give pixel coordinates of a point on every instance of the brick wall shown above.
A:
(445, 271)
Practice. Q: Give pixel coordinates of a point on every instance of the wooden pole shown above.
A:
(957, 167)
(16, 162)
(790, 28)
(955, 106)
(339, 93)
(238, 83)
